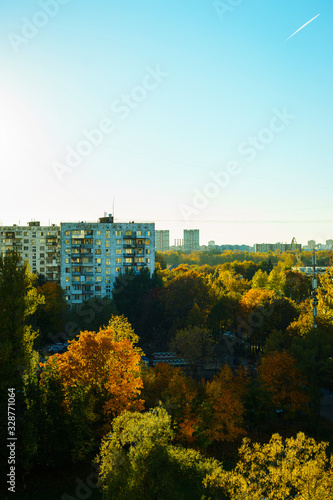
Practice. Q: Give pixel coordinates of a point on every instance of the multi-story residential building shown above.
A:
(191, 240)
(271, 247)
(162, 240)
(93, 255)
(36, 244)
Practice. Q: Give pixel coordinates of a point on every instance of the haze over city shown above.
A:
(213, 116)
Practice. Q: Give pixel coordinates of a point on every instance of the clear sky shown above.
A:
(196, 114)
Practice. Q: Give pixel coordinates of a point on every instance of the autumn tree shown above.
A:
(103, 370)
(276, 281)
(222, 411)
(281, 469)
(284, 382)
(194, 344)
(138, 461)
(184, 289)
(179, 394)
(260, 279)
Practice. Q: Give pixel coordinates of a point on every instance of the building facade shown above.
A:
(93, 255)
(191, 240)
(272, 247)
(162, 240)
(36, 244)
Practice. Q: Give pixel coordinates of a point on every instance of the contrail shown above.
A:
(299, 29)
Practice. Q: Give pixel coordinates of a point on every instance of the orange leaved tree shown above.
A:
(223, 407)
(284, 382)
(102, 371)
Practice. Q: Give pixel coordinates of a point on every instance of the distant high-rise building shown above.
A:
(191, 240)
(211, 243)
(329, 244)
(162, 240)
(311, 244)
(36, 244)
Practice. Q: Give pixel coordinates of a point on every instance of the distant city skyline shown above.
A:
(188, 116)
(173, 234)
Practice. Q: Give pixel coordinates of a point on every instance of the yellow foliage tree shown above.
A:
(295, 468)
(223, 408)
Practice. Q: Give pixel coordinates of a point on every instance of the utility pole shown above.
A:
(314, 289)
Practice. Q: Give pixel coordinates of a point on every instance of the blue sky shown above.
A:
(191, 114)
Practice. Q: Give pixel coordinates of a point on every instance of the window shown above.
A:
(108, 270)
(68, 287)
(98, 261)
(118, 250)
(128, 233)
(148, 261)
(108, 234)
(98, 269)
(41, 248)
(76, 278)
(67, 270)
(67, 260)
(107, 244)
(67, 233)
(148, 233)
(25, 234)
(138, 233)
(107, 252)
(68, 278)
(42, 269)
(98, 288)
(147, 250)
(98, 233)
(129, 250)
(98, 251)
(25, 241)
(67, 242)
(148, 242)
(98, 242)
(108, 262)
(42, 255)
(98, 278)
(128, 260)
(24, 248)
(117, 233)
(118, 242)
(118, 261)
(117, 269)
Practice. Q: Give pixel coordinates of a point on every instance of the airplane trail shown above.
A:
(299, 29)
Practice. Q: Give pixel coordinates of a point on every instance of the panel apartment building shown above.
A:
(162, 240)
(191, 240)
(36, 244)
(93, 255)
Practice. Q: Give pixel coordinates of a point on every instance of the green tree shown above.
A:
(260, 279)
(18, 301)
(138, 461)
(194, 344)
